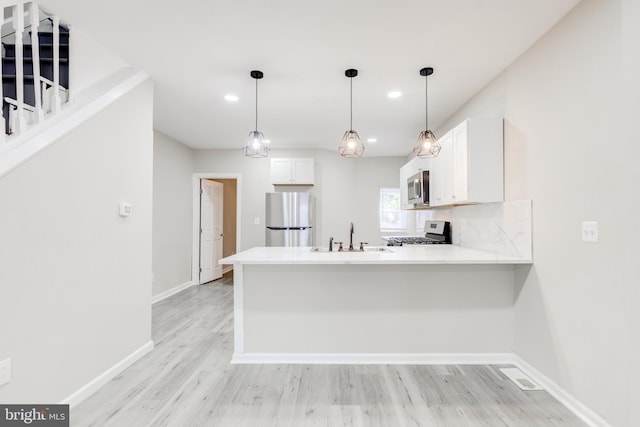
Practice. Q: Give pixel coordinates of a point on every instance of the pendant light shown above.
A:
(256, 145)
(351, 145)
(427, 145)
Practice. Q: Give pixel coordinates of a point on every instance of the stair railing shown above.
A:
(48, 95)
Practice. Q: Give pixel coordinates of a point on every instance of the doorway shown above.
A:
(230, 185)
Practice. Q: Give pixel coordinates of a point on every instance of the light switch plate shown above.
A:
(590, 231)
(125, 209)
(256, 220)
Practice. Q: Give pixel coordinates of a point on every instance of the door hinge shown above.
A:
(200, 269)
(201, 191)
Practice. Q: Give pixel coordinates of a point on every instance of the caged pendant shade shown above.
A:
(427, 145)
(256, 145)
(351, 145)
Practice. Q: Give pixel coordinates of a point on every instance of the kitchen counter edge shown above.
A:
(417, 254)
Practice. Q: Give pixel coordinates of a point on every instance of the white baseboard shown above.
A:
(581, 410)
(227, 268)
(95, 384)
(374, 358)
(172, 291)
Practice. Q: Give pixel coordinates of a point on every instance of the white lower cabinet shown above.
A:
(469, 168)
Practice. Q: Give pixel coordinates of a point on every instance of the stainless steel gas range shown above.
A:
(437, 233)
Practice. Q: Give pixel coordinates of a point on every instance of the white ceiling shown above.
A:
(197, 51)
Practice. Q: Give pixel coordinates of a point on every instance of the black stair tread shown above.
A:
(39, 44)
(29, 59)
(28, 78)
(13, 77)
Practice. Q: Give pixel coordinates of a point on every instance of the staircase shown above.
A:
(35, 67)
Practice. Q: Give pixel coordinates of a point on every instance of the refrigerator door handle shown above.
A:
(288, 228)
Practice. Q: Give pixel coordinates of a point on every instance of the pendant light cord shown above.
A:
(426, 104)
(351, 104)
(256, 105)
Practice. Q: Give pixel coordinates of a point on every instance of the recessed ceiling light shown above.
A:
(231, 98)
(394, 94)
(372, 140)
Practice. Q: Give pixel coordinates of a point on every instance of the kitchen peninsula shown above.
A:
(407, 304)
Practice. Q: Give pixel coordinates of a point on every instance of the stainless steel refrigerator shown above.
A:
(289, 219)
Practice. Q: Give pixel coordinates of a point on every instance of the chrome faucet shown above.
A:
(351, 238)
(330, 244)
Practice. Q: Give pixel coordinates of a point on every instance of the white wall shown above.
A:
(566, 150)
(89, 61)
(75, 278)
(172, 213)
(347, 190)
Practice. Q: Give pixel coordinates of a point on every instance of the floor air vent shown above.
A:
(520, 379)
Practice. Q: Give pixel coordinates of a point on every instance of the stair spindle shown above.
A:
(18, 26)
(34, 14)
(57, 101)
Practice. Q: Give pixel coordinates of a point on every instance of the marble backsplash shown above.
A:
(502, 228)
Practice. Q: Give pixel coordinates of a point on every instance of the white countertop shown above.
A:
(410, 254)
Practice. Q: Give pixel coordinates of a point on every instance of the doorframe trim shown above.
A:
(195, 246)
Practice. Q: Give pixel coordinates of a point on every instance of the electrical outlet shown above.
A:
(590, 231)
(5, 371)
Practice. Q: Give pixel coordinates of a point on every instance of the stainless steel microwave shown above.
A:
(418, 189)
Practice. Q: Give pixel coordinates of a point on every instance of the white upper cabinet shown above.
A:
(292, 171)
(470, 166)
(460, 163)
(440, 179)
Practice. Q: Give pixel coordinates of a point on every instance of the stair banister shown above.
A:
(18, 26)
(35, 49)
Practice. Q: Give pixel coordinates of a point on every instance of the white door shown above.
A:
(211, 208)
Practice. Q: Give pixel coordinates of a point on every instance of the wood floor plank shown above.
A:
(187, 380)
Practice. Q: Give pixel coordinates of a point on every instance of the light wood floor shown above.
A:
(187, 381)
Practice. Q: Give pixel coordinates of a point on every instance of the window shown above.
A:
(392, 218)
